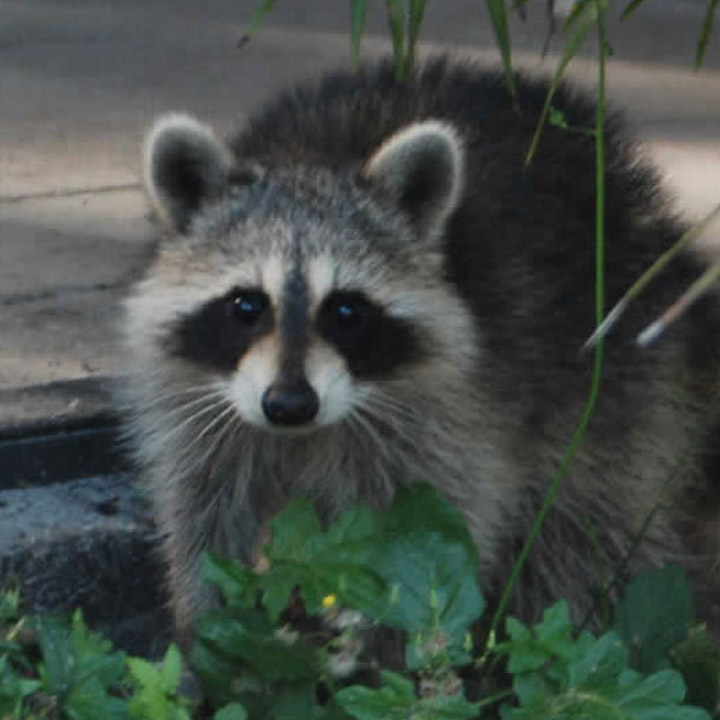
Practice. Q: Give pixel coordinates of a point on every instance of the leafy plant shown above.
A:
(156, 694)
(415, 567)
(373, 616)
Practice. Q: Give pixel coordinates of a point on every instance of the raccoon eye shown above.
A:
(346, 312)
(247, 306)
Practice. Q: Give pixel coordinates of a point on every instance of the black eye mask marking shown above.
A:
(373, 343)
(221, 331)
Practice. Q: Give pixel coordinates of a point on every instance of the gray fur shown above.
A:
(184, 166)
(430, 149)
(499, 302)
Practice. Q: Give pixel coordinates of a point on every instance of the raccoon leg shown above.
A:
(582, 561)
(189, 528)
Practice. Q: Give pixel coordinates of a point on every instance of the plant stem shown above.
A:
(581, 429)
(495, 698)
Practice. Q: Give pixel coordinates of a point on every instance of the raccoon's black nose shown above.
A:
(290, 403)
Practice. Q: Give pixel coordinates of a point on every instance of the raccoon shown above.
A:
(366, 287)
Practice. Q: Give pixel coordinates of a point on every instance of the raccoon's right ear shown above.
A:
(184, 165)
(421, 168)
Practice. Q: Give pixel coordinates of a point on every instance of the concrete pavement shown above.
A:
(81, 79)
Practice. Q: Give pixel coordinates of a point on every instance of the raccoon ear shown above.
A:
(184, 165)
(421, 167)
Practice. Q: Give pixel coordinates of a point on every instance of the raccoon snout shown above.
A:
(290, 403)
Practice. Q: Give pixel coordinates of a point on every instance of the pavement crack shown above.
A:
(22, 298)
(52, 194)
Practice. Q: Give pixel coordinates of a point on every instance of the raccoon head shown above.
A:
(304, 294)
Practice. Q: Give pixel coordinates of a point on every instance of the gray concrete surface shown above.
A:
(81, 80)
(89, 544)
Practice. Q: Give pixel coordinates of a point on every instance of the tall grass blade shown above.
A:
(258, 18)
(396, 18)
(577, 13)
(358, 13)
(498, 17)
(707, 280)
(649, 275)
(584, 16)
(415, 19)
(705, 31)
(631, 8)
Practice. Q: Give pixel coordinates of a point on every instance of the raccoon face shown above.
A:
(304, 296)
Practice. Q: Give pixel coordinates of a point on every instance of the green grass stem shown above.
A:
(582, 427)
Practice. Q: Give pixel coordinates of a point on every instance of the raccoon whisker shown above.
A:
(181, 410)
(221, 435)
(167, 391)
(205, 389)
(365, 428)
(384, 423)
(384, 413)
(213, 407)
(383, 402)
(178, 410)
(387, 424)
(227, 411)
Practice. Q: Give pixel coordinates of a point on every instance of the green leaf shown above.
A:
(284, 701)
(217, 670)
(446, 707)
(233, 711)
(292, 529)
(57, 668)
(79, 669)
(435, 594)
(156, 696)
(427, 557)
(358, 13)
(397, 699)
(392, 700)
(13, 689)
(600, 665)
(705, 33)
(498, 17)
(593, 682)
(235, 581)
(551, 639)
(698, 659)
(172, 669)
(90, 701)
(532, 689)
(337, 561)
(249, 638)
(93, 656)
(654, 616)
(9, 606)
(421, 508)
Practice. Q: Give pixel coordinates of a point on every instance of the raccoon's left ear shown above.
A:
(421, 167)
(184, 165)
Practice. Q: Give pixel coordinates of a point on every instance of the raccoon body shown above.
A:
(366, 288)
